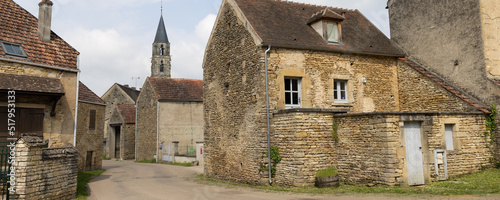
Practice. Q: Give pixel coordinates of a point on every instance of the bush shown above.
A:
(331, 171)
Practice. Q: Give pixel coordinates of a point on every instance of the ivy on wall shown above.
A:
(491, 125)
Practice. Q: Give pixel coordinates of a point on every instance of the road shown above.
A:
(128, 180)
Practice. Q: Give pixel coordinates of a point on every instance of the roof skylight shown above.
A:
(13, 49)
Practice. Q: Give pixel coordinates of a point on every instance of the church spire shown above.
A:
(160, 62)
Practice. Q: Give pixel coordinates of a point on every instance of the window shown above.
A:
(292, 92)
(92, 120)
(329, 30)
(340, 91)
(161, 66)
(13, 49)
(161, 50)
(448, 136)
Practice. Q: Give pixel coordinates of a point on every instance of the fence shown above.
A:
(4, 169)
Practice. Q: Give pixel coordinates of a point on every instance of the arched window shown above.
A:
(161, 66)
(161, 50)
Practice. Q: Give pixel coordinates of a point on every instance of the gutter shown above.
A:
(135, 125)
(157, 128)
(46, 66)
(76, 100)
(267, 113)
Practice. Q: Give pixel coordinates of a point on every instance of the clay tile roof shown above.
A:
(169, 89)
(85, 94)
(19, 26)
(31, 84)
(127, 112)
(132, 93)
(444, 85)
(285, 24)
(325, 14)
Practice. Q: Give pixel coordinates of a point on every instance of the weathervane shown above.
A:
(161, 7)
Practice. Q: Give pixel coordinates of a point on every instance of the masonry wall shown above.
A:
(127, 138)
(181, 122)
(58, 129)
(490, 21)
(318, 71)
(89, 141)
(128, 142)
(146, 140)
(234, 102)
(44, 173)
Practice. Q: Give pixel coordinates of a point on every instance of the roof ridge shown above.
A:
(448, 87)
(315, 5)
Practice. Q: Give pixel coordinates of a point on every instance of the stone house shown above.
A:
(340, 94)
(90, 129)
(114, 125)
(40, 71)
(122, 122)
(169, 111)
(460, 44)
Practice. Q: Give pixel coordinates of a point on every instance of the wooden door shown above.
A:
(414, 158)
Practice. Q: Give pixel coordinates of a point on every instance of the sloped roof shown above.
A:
(325, 14)
(285, 24)
(18, 26)
(169, 89)
(161, 32)
(132, 93)
(127, 112)
(85, 94)
(31, 84)
(444, 85)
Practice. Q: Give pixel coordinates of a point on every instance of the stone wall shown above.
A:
(58, 129)
(128, 142)
(490, 21)
(146, 140)
(234, 102)
(371, 148)
(40, 173)
(127, 138)
(90, 141)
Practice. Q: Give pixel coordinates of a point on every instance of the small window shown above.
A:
(161, 66)
(161, 50)
(340, 91)
(13, 49)
(292, 92)
(448, 136)
(332, 31)
(92, 120)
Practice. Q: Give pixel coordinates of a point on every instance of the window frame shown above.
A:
(291, 92)
(448, 137)
(22, 53)
(92, 119)
(337, 91)
(325, 29)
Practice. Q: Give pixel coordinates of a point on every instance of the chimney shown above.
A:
(44, 20)
(125, 85)
(133, 88)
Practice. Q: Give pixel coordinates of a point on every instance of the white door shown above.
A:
(414, 161)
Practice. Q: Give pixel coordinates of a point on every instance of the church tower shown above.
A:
(160, 62)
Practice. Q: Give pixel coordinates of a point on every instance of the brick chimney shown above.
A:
(44, 20)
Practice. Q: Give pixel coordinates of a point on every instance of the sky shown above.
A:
(114, 37)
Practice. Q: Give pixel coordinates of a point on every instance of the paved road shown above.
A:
(129, 180)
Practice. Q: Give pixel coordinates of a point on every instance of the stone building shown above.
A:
(169, 111)
(122, 122)
(42, 71)
(114, 96)
(460, 44)
(340, 94)
(90, 129)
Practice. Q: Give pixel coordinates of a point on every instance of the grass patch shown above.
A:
(481, 183)
(146, 161)
(105, 158)
(331, 171)
(82, 179)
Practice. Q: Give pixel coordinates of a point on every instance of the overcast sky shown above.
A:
(114, 37)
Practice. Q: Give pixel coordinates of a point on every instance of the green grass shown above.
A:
(331, 171)
(481, 183)
(105, 158)
(146, 161)
(82, 179)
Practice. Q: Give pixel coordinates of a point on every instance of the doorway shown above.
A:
(414, 156)
(117, 141)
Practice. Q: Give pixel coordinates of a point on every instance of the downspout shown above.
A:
(157, 127)
(76, 101)
(135, 143)
(267, 113)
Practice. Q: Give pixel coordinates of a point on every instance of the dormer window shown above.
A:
(328, 25)
(13, 49)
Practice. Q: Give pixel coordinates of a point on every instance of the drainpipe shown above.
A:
(267, 113)
(135, 143)
(157, 127)
(76, 101)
